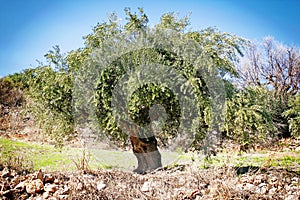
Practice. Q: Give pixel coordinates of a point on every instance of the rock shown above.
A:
(273, 180)
(56, 181)
(65, 190)
(46, 195)
(262, 188)
(272, 191)
(240, 186)
(5, 173)
(40, 175)
(258, 179)
(13, 173)
(292, 197)
(295, 181)
(34, 186)
(249, 186)
(21, 185)
(297, 148)
(101, 186)
(53, 198)
(50, 188)
(63, 196)
(79, 186)
(146, 187)
(244, 178)
(48, 178)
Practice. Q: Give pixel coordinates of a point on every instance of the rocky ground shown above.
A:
(179, 182)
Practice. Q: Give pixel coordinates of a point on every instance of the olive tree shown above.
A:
(84, 83)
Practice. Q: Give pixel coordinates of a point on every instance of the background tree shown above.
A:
(50, 92)
(249, 117)
(276, 67)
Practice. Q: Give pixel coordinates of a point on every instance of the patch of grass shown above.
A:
(50, 158)
(287, 161)
(42, 156)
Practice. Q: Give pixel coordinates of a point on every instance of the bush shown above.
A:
(293, 115)
(10, 94)
(249, 116)
(51, 102)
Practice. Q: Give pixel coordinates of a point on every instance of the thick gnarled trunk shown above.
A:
(147, 154)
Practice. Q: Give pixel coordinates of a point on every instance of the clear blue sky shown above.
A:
(29, 28)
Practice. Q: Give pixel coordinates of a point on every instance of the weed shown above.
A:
(82, 161)
(17, 163)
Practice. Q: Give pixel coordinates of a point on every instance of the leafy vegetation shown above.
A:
(258, 108)
(249, 117)
(293, 114)
(51, 91)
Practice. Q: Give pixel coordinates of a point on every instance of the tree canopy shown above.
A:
(79, 87)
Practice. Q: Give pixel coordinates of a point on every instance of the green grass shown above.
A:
(50, 158)
(42, 156)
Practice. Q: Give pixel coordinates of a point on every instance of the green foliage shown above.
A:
(249, 116)
(142, 99)
(171, 21)
(51, 97)
(136, 22)
(51, 86)
(222, 47)
(293, 115)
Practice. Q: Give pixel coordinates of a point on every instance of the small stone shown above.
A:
(13, 173)
(295, 181)
(273, 180)
(244, 179)
(262, 188)
(63, 196)
(34, 186)
(145, 187)
(40, 175)
(272, 191)
(46, 195)
(240, 186)
(65, 190)
(48, 178)
(258, 179)
(5, 173)
(52, 198)
(262, 185)
(79, 186)
(101, 186)
(249, 186)
(50, 188)
(21, 185)
(297, 148)
(56, 181)
(292, 197)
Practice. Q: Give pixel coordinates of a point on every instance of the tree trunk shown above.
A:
(147, 154)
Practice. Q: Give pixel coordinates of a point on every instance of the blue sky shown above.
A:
(29, 28)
